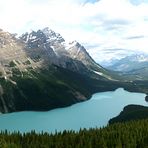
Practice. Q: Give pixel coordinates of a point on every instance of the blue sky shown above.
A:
(91, 1)
(98, 25)
(138, 2)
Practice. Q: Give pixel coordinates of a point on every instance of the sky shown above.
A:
(96, 24)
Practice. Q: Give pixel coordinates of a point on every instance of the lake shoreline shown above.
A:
(95, 112)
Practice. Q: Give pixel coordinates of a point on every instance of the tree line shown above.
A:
(133, 134)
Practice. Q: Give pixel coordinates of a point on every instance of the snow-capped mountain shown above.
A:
(129, 63)
(109, 56)
(51, 45)
(78, 52)
(52, 36)
(40, 71)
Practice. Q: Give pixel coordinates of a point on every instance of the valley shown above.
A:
(93, 113)
(47, 74)
(73, 74)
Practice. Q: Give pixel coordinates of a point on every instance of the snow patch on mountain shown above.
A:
(99, 73)
(52, 36)
(70, 44)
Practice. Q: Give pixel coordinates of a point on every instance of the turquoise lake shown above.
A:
(95, 112)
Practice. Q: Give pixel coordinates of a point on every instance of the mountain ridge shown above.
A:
(39, 71)
(135, 66)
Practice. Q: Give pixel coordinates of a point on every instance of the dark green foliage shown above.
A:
(49, 88)
(27, 62)
(131, 112)
(16, 71)
(132, 134)
(1, 73)
(12, 64)
(55, 87)
(146, 98)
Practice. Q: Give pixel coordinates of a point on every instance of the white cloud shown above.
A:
(100, 25)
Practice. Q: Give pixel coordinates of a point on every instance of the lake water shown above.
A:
(95, 112)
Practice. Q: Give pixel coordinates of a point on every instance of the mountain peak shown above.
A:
(52, 36)
(6, 38)
(74, 43)
(48, 40)
(46, 35)
(140, 57)
(78, 52)
(4, 34)
(48, 32)
(39, 60)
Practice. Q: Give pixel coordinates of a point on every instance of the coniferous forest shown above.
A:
(133, 134)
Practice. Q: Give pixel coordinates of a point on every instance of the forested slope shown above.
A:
(133, 134)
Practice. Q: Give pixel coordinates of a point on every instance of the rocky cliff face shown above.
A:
(78, 52)
(53, 48)
(12, 55)
(49, 47)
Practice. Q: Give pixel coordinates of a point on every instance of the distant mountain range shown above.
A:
(135, 65)
(109, 56)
